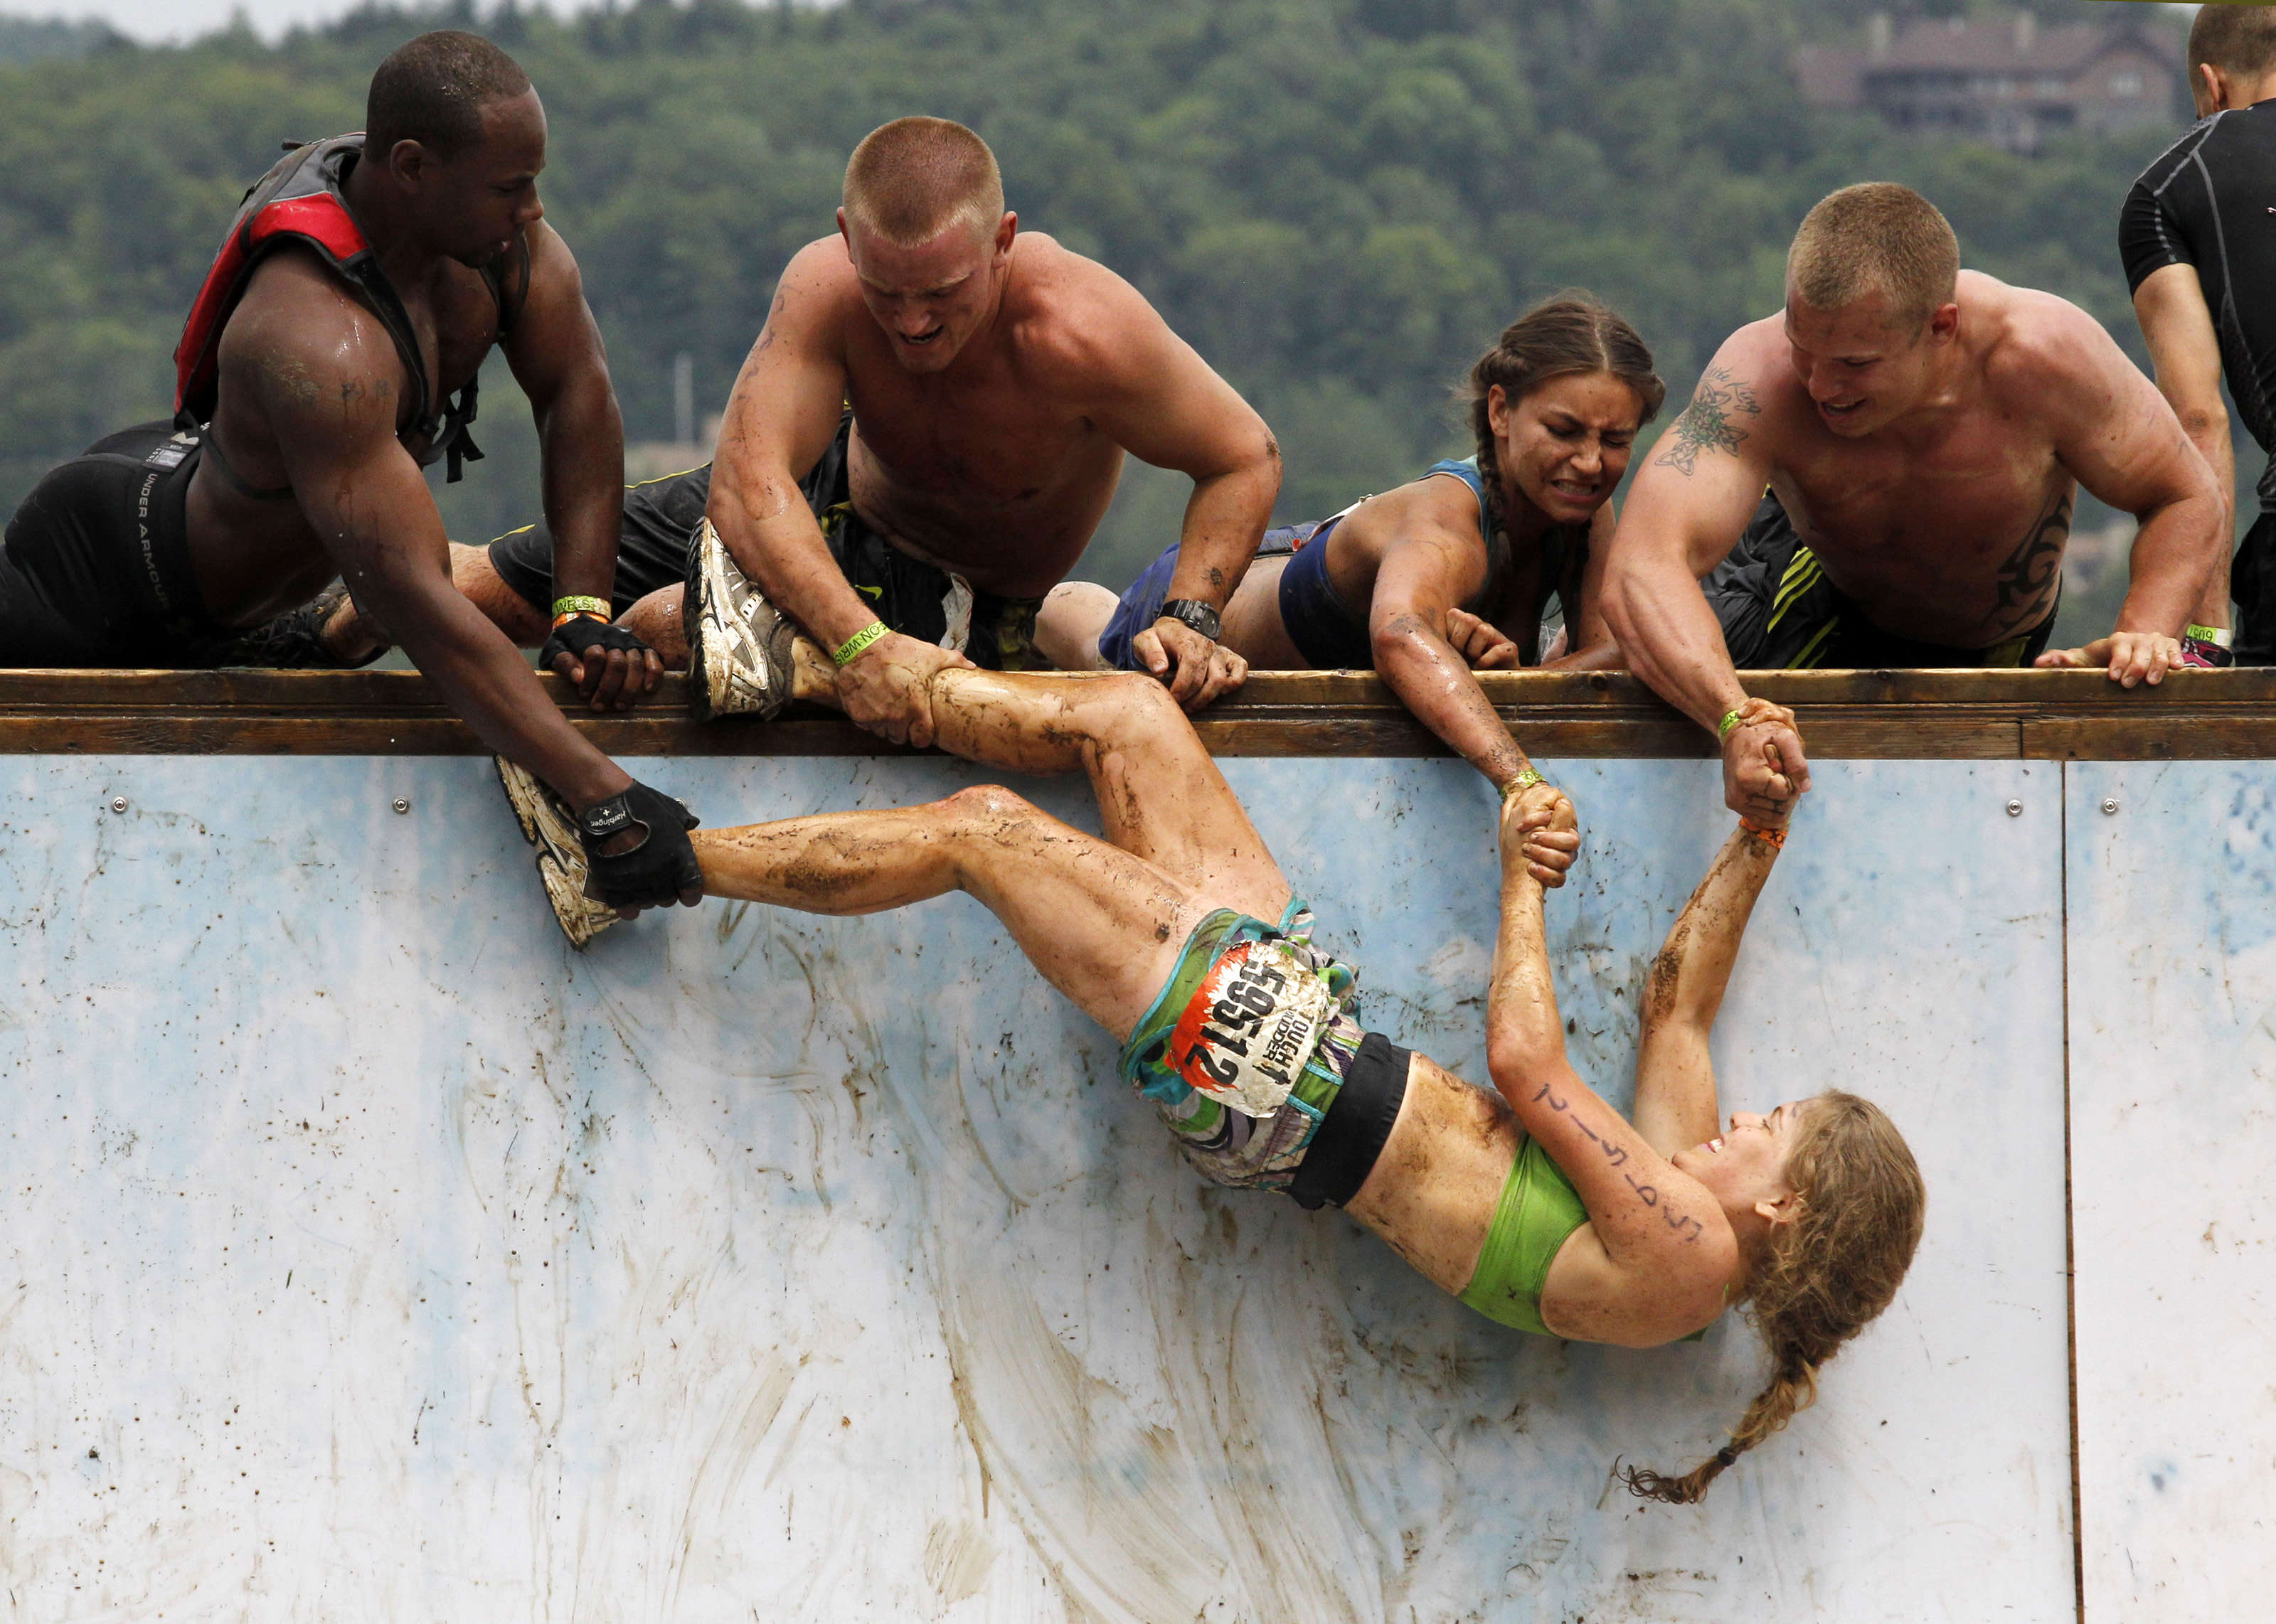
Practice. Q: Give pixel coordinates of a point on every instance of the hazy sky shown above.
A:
(164, 19)
(178, 19)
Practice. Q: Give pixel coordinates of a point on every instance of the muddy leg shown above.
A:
(472, 574)
(656, 622)
(1160, 795)
(1069, 624)
(1100, 924)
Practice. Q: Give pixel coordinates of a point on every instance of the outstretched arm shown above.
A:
(1159, 401)
(1439, 561)
(1675, 1104)
(331, 402)
(2117, 434)
(1665, 1250)
(780, 419)
(1690, 504)
(2185, 353)
(555, 351)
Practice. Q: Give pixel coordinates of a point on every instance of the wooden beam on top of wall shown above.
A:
(1981, 716)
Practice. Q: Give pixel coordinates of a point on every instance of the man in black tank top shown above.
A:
(2198, 238)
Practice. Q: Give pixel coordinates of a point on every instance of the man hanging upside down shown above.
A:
(1540, 1207)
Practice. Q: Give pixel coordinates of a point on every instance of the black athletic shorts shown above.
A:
(1780, 613)
(917, 599)
(1358, 1124)
(97, 568)
(2252, 584)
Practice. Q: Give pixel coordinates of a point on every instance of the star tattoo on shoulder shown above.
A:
(1707, 423)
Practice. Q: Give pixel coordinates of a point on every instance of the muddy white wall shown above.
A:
(2172, 906)
(369, 1256)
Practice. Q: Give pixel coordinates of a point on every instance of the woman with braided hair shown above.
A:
(1450, 572)
(1538, 1206)
(1649, 1227)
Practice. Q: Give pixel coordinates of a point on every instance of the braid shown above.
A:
(1791, 1389)
(1826, 1273)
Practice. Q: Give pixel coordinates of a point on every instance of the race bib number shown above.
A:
(1251, 1026)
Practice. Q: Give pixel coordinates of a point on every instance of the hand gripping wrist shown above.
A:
(853, 647)
(653, 873)
(1748, 712)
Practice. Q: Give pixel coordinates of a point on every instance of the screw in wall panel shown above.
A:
(2015, 809)
(402, 805)
(118, 803)
(2109, 806)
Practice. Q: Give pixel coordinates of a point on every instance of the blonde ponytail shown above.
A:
(1827, 1274)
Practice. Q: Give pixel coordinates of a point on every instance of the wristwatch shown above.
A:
(1194, 614)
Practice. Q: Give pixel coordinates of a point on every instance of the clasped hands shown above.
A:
(1540, 832)
(1764, 771)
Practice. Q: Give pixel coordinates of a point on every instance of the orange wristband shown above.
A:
(1775, 839)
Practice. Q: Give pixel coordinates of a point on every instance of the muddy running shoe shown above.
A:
(294, 640)
(739, 661)
(549, 827)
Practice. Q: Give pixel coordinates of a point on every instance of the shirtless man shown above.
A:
(332, 352)
(1920, 430)
(923, 440)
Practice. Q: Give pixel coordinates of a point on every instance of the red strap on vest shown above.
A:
(319, 221)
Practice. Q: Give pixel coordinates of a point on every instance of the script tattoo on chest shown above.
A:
(2029, 574)
(1651, 1195)
(1707, 423)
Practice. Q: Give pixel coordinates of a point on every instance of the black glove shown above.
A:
(581, 634)
(653, 874)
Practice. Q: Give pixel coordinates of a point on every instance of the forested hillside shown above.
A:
(1340, 201)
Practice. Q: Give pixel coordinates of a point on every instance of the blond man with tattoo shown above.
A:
(1921, 432)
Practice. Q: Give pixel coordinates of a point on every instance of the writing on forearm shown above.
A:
(1690, 1228)
(1707, 423)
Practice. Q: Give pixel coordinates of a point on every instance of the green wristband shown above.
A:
(853, 648)
(581, 606)
(1520, 783)
(2219, 637)
(1731, 719)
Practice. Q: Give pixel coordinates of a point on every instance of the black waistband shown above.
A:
(160, 562)
(1358, 1123)
(103, 542)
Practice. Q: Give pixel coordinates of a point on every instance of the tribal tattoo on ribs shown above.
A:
(1651, 1195)
(1706, 425)
(2029, 574)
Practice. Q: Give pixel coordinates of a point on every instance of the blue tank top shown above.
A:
(1330, 633)
(1554, 548)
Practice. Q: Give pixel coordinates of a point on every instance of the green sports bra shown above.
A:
(1539, 1209)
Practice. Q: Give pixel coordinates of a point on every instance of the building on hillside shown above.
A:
(2010, 81)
